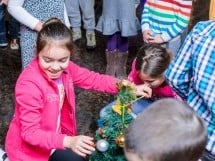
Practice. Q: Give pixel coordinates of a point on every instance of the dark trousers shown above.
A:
(3, 38)
(207, 156)
(14, 28)
(65, 155)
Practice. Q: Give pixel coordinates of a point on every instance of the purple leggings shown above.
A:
(117, 42)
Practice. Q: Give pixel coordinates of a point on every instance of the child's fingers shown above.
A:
(85, 146)
(143, 90)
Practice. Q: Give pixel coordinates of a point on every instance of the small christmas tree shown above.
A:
(110, 134)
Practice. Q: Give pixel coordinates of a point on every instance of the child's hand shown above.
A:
(81, 144)
(143, 90)
(38, 26)
(147, 36)
(157, 39)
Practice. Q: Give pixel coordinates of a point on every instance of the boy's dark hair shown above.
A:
(153, 60)
(168, 130)
(54, 30)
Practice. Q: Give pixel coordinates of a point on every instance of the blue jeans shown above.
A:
(14, 28)
(137, 107)
(74, 13)
(3, 38)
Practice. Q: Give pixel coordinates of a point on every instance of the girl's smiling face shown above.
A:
(54, 59)
(151, 82)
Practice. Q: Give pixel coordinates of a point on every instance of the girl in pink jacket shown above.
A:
(149, 66)
(43, 127)
(147, 69)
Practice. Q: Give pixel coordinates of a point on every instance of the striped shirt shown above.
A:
(192, 75)
(166, 17)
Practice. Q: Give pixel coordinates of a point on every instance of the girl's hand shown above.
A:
(147, 36)
(157, 39)
(81, 144)
(143, 89)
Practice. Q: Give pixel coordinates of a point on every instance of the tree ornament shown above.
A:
(120, 140)
(102, 145)
(112, 126)
(102, 132)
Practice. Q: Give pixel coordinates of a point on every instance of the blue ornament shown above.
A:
(102, 145)
(100, 123)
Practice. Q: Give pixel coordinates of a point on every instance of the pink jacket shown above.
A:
(32, 132)
(160, 92)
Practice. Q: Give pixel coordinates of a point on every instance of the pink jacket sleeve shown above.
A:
(91, 80)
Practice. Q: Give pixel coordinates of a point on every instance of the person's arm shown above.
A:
(145, 22)
(192, 72)
(15, 8)
(183, 11)
(91, 80)
(178, 74)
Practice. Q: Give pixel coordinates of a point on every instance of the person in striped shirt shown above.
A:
(165, 22)
(192, 75)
